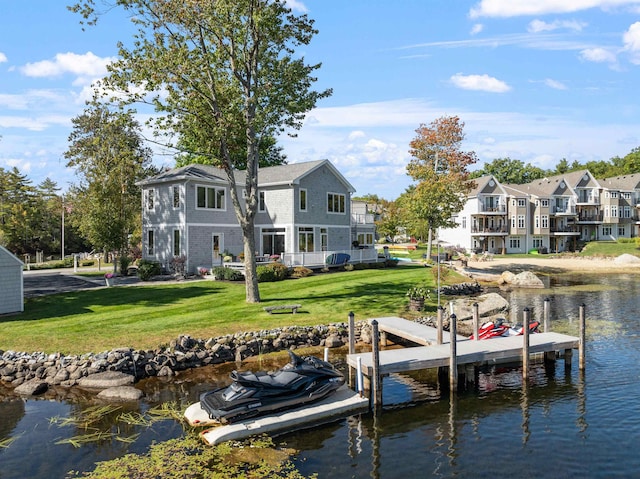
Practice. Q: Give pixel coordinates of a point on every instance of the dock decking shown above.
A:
(412, 331)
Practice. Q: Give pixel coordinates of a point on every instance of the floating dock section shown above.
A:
(342, 403)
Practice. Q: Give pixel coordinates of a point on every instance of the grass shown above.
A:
(144, 317)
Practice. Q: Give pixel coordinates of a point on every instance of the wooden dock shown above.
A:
(460, 356)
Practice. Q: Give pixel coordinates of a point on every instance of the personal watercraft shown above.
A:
(499, 328)
(301, 381)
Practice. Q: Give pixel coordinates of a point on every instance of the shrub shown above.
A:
(272, 272)
(87, 262)
(301, 272)
(147, 269)
(124, 261)
(444, 271)
(229, 274)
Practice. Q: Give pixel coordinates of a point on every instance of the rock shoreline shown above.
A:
(32, 373)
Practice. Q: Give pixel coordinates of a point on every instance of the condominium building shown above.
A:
(552, 214)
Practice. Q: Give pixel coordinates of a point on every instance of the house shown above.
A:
(11, 283)
(304, 214)
(551, 214)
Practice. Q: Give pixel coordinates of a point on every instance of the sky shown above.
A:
(535, 81)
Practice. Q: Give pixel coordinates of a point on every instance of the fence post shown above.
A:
(582, 338)
(352, 333)
(453, 359)
(525, 343)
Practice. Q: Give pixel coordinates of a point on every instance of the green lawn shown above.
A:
(146, 316)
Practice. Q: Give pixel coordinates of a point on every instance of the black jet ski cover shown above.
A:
(301, 381)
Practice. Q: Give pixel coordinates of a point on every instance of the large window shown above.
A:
(545, 221)
(514, 243)
(520, 221)
(305, 240)
(151, 240)
(210, 198)
(273, 241)
(176, 242)
(335, 203)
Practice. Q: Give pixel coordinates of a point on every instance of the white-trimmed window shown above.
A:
(522, 203)
(544, 203)
(514, 243)
(305, 239)
(175, 193)
(176, 243)
(537, 221)
(627, 211)
(622, 231)
(544, 221)
(614, 211)
(151, 242)
(302, 206)
(606, 231)
(150, 199)
(520, 221)
(262, 207)
(336, 203)
(513, 221)
(209, 197)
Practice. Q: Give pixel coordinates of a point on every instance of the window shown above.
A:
(149, 199)
(305, 240)
(621, 231)
(626, 196)
(545, 221)
(614, 194)
(514, 243)
(464, 222)
(273, 241)
(262, 207)
(365, 238)
(176, 242)
(335, 203)
(606, 231)
(210, 198)
(324, 239)
(522, 203)
(513, 221)
(537, 221)
(150, 242)
(627, 211)
(176, 196)
(544, 203)
(614, 211)
(303, 200)
(537, 242)
(520, 221)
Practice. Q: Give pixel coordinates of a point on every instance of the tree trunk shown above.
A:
(250, 276)
(429, 241)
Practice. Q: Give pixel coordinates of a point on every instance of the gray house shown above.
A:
(304, 214)
(11, 283)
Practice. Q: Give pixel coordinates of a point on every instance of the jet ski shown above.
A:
(499, 328)
(301, 381)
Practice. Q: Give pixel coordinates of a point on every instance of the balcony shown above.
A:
(495, 209)
(363, 219)
(565, 231)
(490, 231)
(564, 211)
(590, 218)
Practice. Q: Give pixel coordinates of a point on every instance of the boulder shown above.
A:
(627, 259)
(526, 279)
(488, 305)
(121, 393)
(105, 380)
(32, 388)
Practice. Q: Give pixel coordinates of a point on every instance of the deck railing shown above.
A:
(319, 258)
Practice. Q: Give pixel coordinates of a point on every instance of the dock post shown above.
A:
(547, 323)
(439, 334)
(476, 320)
(582, 338)
(453, 360)
(377, 380)
(525, 345)
(352, 333)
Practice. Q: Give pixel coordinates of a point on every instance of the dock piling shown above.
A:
(547, 323)
(525, 343)
(476, 321)
(439, 325)
(453, 359)
(582, 338)
(377, 380)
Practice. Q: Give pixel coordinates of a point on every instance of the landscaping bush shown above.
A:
(272, 272)
(147, 269)
(301, 272)
(124, 261)
(228, 274)
(87, 262)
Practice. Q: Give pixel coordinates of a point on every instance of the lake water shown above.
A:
(561, 423)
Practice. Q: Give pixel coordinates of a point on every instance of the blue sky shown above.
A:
(536, 81)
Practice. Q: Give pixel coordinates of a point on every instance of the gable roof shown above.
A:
(7, 258)
(269, 176)
(623, 182)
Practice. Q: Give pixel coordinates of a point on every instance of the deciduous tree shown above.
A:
(225, 75)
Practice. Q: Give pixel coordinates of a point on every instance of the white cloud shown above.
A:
(357, 134)
(598, 55)
(513, 8)
(297, 6)
(86, 67)
(479, 82)
(536, 26)
(631, 39)
(3, 57)
(556, 85)
(477, 28)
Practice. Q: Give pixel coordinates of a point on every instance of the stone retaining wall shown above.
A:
(183, 353)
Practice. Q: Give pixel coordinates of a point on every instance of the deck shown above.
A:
(412, 331)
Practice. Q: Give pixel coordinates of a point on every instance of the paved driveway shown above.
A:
(38, 283)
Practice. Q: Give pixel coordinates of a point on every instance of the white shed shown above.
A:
(11, 283)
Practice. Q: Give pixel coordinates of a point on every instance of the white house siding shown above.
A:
(11, 283)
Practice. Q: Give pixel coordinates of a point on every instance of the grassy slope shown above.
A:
(146, 316)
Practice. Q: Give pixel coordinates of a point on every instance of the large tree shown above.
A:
(506, 170)
(440, 168)
(109, 155)
(224, 75)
